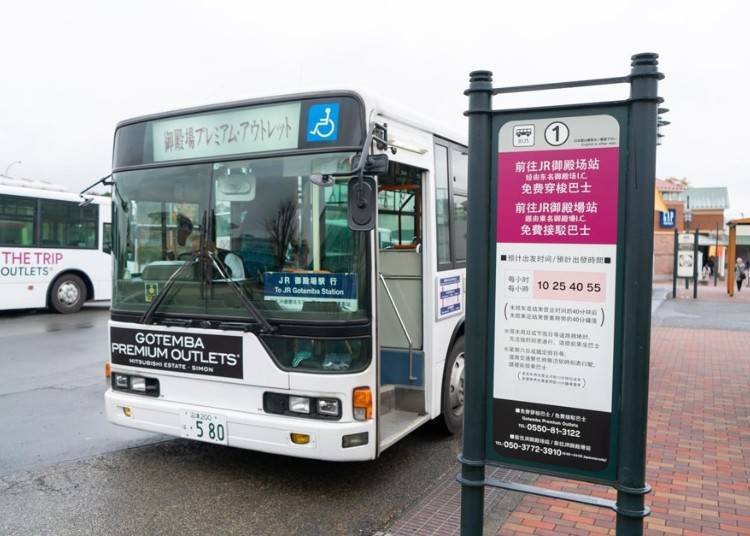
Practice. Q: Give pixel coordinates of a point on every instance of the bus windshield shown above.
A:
(282, 239)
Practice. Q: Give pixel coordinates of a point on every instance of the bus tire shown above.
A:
(68, 293)
(452, 399)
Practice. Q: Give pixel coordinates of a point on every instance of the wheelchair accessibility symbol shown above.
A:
(322, 122)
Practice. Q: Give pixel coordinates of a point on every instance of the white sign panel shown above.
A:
(685, 263)
(554, 325)
(685, 239)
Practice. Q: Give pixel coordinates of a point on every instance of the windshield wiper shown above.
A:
(159, 298)
(147, 317)
(265, 326)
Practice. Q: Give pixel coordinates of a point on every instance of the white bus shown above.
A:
(246, 311)
(54, 249)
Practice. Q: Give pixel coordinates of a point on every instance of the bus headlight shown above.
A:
(299, 404)
(328, 406)
(120, 381)
(138, 384)
(135, 384)
(302, 406)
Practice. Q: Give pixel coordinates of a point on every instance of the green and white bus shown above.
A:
(260, 301)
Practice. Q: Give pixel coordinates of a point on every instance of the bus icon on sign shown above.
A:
(523, 136)
(322, 122)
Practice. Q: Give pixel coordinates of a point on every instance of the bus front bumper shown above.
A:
(264, 433)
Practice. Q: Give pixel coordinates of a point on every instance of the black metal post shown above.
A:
(638, 265)
(674, 264)
(477, 302)
(695, 266)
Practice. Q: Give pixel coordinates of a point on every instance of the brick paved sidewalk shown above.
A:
(698, 449)
(698, 457)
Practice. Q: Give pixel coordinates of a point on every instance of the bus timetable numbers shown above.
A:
(208, 427)
(572, 286)
(556, 247)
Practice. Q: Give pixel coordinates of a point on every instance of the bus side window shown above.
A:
(442, 207)
(459, 190)
(68, 225)
(451, 196)
(107, 238)
(17, 215)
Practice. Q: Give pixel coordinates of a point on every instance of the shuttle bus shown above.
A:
(54, 247)
(251, 309)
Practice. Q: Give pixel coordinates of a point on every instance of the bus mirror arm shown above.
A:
(86, 201)
(366, 163)
(106, 181)
(362, 198)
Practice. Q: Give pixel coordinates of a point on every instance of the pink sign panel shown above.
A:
(565, 196)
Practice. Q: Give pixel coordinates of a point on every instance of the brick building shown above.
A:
(706, 207)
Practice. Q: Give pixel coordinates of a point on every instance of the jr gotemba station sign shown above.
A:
(176, 351)
(553, 372)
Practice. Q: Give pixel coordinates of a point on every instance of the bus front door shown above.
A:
(401, 404)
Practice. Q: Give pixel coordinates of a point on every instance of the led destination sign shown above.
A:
(242, 130)
(300, 125)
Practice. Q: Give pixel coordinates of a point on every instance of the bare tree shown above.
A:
(281, 228)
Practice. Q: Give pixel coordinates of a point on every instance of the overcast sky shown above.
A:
(71, 70)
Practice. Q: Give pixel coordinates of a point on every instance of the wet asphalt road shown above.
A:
(51, 389)
(186, 488)
(65, 470)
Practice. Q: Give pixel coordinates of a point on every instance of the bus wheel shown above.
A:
(453, 389)
(68, 294)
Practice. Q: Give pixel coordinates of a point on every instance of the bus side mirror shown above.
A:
(363, 204)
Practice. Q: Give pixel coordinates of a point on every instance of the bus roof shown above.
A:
(43, 189)
(374, 105)
(31, 183)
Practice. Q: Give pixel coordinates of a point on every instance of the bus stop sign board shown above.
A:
(553, 388)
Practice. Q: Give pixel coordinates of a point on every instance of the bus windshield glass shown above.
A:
(282, 239)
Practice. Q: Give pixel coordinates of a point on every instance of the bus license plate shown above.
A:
(203, 426)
